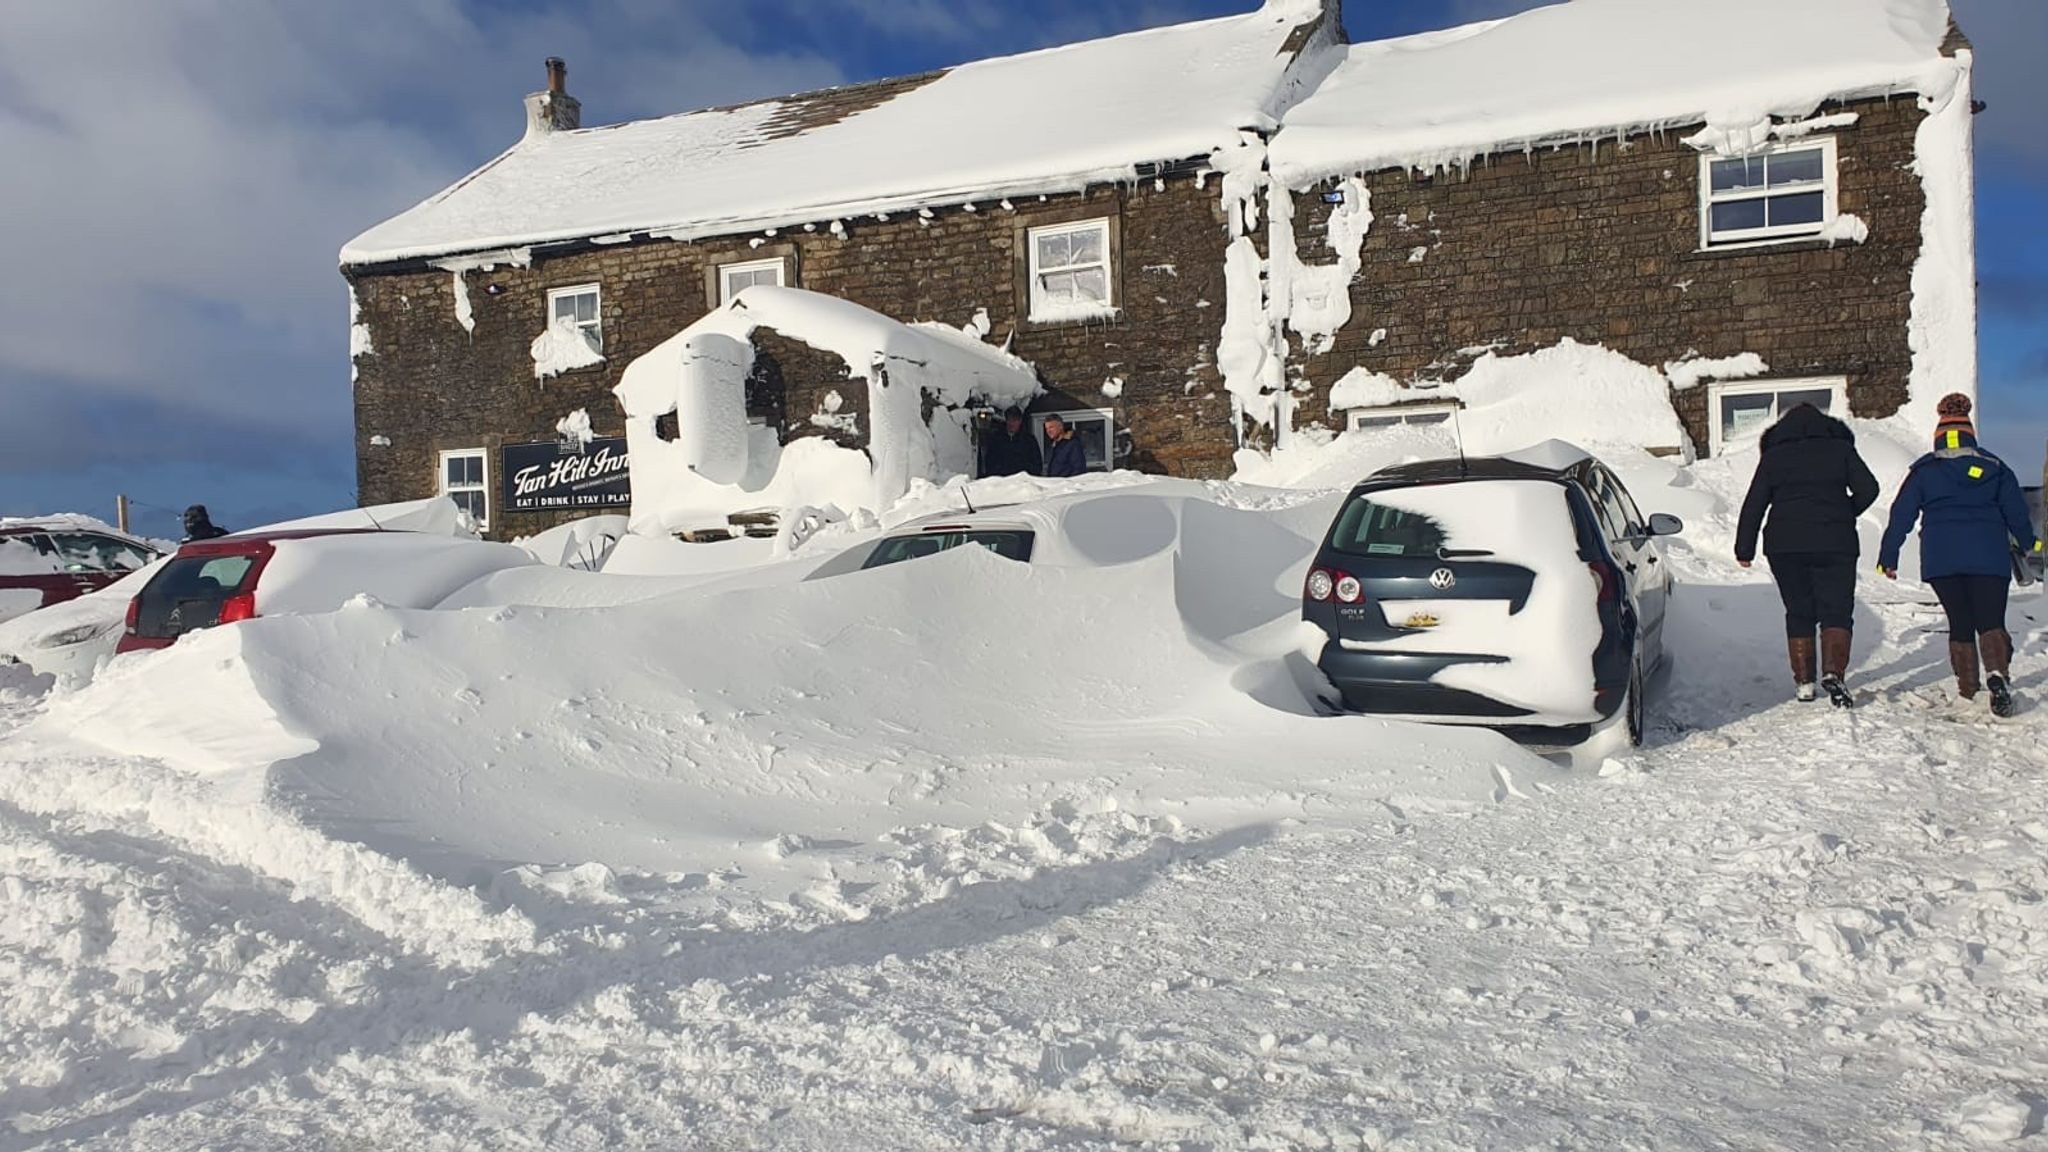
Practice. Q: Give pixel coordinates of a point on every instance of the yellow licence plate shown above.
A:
(1423, 620)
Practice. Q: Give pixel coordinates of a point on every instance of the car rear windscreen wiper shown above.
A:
(1461, 553)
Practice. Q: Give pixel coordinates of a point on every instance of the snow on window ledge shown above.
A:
(1075, 312)
(562, 348)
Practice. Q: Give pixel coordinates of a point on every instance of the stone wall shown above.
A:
(432, 386)
(1601, 243)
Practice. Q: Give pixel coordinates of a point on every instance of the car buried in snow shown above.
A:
(294, 573)
(49, 561)
(1525, 593)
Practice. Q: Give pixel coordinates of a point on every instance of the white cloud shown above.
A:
(180, 174)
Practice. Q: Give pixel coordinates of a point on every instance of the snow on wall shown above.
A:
(1315, 299)
(560, 348)
(359, 344)
(1943, 329)
(720, 463)
(1582, 393)
(458, 269)
(576, 426)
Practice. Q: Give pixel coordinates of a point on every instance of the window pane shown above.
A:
(1430, 418)
(1796, 168)
(1058, 287)
(1087, 246)
(1093, 435)
(1092, 285)
(1054, 250)
(586, 308)
(1738, 215)
(1737, 175)
(1745, 417)
(1821, 398)
(1366, 422)
(453, 467)
(1803, 208)
(563, 307)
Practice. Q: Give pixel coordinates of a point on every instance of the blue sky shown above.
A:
(181, 174)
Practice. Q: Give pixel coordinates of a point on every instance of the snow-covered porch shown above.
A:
(868, 406)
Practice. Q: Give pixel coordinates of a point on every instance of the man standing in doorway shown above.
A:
(1010, 450)
(1063, 453)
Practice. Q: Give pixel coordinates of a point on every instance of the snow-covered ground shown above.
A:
(964, 853)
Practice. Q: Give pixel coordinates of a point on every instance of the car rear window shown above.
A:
(187, 593)
(1010, 544)
(1369, 529)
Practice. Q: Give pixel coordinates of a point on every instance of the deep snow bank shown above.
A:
(743, 728)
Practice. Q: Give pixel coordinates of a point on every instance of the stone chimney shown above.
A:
(553, 110)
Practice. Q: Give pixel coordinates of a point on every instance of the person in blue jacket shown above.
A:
(1971, 516)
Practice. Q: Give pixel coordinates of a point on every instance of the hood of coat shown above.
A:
(1806, 423)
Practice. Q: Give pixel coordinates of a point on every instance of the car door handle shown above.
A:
(1630, 566)
(1653, 559)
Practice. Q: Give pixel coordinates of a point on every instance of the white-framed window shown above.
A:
(1366, 419)
(580, 306)
(1094, 429)
(1071, 277)
(1739, 411)
(734, 278)
(466, 479)
(1783, 192)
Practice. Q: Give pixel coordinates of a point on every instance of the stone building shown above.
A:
(1194, 233)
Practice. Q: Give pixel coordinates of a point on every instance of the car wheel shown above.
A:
(1622, 731)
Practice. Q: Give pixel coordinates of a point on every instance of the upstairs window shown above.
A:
(578, 306)
(736, 278)
(465, 479)
(1070, 272)
(1772, 194)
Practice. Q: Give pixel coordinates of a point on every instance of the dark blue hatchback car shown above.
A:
(1525, 593)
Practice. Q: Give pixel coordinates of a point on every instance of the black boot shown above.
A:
(1834, 665)
(1997, 649)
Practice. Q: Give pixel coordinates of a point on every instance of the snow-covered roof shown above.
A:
(1047, 121)
(1599, 67)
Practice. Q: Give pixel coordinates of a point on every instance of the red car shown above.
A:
(208, 583)
(45, 562)
(303, 572)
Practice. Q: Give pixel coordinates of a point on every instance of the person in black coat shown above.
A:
(1809, 488)
(200, 526)
(1064, 455)
(1011, 450)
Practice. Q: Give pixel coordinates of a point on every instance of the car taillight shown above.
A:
(1320, 584)
(1609, 581)
(238, 608)
(134, 619)
(1324, 583)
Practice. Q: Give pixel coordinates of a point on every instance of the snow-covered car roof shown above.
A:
(1600, 68)
(70, 522)
(1055, 120)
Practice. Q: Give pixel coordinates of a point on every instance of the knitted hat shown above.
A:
(1954, 410)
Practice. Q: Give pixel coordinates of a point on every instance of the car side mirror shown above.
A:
(1664, 524)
